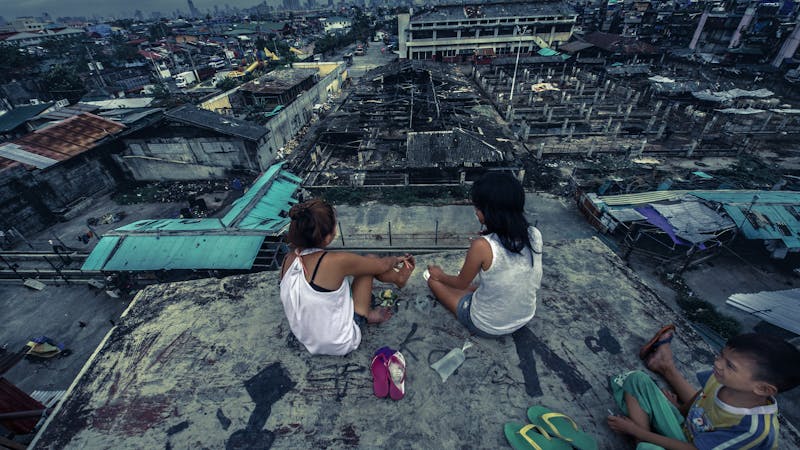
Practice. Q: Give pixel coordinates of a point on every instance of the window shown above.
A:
(427, 34)
(446, 34)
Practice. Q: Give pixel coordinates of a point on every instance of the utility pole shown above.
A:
(521, 32)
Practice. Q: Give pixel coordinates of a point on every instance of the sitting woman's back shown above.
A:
(323, 308)
(505, 299)
(322, 321)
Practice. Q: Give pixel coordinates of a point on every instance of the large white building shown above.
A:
(463, 32)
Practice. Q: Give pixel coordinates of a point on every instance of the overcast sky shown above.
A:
(11, 9)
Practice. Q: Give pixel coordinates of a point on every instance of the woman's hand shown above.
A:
(435, 271)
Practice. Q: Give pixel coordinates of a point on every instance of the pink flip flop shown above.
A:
(397, 376)
(380, 376)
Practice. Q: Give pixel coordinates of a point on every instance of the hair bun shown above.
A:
(298, 210)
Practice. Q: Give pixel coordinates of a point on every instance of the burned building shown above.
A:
(278, 87)
(411, 123)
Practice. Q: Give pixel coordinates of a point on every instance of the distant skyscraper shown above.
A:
(193, 11)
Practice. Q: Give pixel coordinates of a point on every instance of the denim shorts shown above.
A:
(359, 320)
(462, 313)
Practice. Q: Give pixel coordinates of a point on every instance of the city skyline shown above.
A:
(90, 8)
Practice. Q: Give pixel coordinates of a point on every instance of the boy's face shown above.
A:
(737, 371)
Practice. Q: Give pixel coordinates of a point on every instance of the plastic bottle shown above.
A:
(451, 361)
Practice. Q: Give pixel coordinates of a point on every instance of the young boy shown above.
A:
(736, 408)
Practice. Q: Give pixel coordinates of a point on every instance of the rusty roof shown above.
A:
(63, 140)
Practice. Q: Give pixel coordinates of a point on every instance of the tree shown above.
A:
(64, 82)
(158, 30)
(160, 91)
(122, 51)
(122, 23)
(226, 84)
(14, 61)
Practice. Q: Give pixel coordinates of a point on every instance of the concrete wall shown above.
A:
(285, 125)
(294, 116)
(30, 201)
(402, 26)
(180, 158)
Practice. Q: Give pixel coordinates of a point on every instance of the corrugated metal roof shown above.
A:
(63, 140)
(260, 207)
(641, 197)
(159, 225)
(770, 222)
(14, 152)
(228, 243)
(66, 112)
(184, 252)
(193, 115)
(17, 116)
(781, 308)
(97, 259)
(771, 215)
(746, 197)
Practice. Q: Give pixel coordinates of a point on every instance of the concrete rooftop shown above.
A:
(212, 364)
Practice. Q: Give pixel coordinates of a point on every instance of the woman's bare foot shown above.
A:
(379, 315)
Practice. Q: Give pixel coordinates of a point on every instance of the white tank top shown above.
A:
(321, 321)
(506, 296)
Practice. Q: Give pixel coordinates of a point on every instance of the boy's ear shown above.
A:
(765, 389)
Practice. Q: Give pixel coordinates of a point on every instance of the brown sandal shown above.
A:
(656, 340)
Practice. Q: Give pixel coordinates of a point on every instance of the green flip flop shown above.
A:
(527, 437)
(561, 426)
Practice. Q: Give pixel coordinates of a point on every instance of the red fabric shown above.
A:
(12, 399)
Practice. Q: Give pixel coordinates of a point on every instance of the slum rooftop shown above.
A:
(278, 81)
(192, 115)
(212, 363)
(495, 10)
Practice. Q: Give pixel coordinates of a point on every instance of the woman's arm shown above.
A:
(351, 264)
(479, 256)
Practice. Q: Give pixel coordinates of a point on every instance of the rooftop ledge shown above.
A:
(212, 363)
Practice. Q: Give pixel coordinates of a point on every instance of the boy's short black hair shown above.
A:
(776, 360)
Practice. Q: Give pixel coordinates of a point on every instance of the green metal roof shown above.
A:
(746, 197)
(184, 252)
(167, 225)
(261, 206)
(228, 243)
(775, 222)
(97, 259)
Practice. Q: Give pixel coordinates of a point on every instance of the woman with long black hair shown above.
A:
(506, 259)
